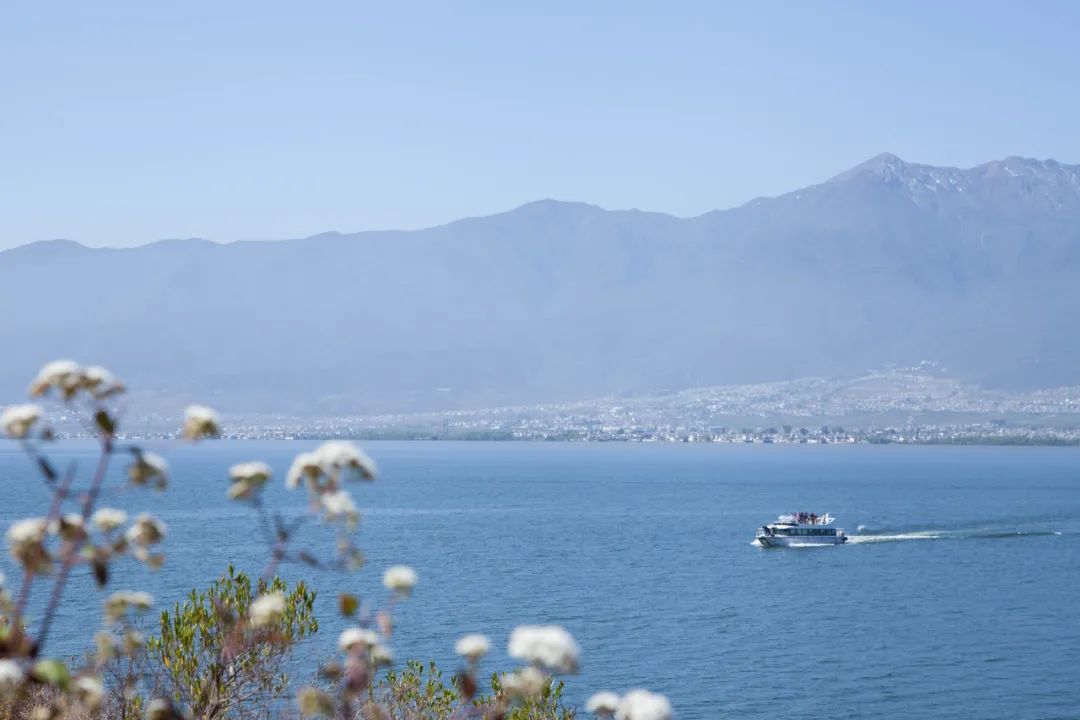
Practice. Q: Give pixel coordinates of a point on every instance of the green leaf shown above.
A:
(52, 672)
(348, 604)
(104, 422)
(101, 571)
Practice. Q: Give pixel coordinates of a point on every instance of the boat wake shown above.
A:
(879, 537)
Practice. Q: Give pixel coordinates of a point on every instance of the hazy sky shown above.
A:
(123, 123)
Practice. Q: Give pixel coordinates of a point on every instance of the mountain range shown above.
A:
(887, 263)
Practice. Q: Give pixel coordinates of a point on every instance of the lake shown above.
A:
(958, 598)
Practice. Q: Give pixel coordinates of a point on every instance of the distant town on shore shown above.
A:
(919, 404)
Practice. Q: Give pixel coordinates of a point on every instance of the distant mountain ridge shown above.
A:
(888, 262)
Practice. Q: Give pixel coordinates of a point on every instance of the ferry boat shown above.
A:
(800, 530)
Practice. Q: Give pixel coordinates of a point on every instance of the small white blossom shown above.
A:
(267, 609)
(524, 683)
(26, 541)
(357, 638)
(548, 646)
(133, 640)
(305, 465)
(400, 578)
(18, 420)
(69, 527)
(314, 702)
(336, 456)
(64, 375)
(381, 655)
(122, 600)
(473, 646)
(89, 692)
(27, 530)
(139, 599)
(643, 705)
(145, 531)
(339, 504)
(149, 466)
(255, 471)
(161, 709)
(603, 703)
(108, 519)
(11, 676)
(95, 376)
(248, 478)
(100, 383)
(201, 422)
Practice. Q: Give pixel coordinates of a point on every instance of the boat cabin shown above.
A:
(795, 530)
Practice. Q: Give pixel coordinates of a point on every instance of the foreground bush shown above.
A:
(223, 652)
(220, 657)
(419, 692)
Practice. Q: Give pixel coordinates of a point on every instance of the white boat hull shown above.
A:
(788, 541)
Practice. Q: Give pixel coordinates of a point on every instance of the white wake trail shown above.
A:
(921, 535)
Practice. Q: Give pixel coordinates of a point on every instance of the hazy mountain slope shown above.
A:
(888, 262)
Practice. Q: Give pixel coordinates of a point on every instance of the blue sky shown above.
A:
(123, 123)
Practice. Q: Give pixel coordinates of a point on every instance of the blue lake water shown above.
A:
(959, 599)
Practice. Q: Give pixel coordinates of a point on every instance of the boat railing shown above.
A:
(806, 519)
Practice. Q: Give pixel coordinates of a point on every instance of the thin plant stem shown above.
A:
(73, 547)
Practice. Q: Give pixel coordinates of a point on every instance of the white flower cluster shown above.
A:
(247, 479)
(524, 683)
(339, 505)
(381, 656)
(603, 704)
(145, 532)
(472, 647)
(108, 519)
(545, 646)
(109, 646)
(162, 709)
(353, 639)
(68, 527)
(324, 471)
(200, 422)
(635, 705)
(267, 609)
(89, 694)
(123, 600)
(643, 705)
(330, 464)
(11, 677)
(27, 538)
(313, 702)
(26, 542)
(363, 644)
(401, 579)
(18, 420)
(68, 378)
(149, 468)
